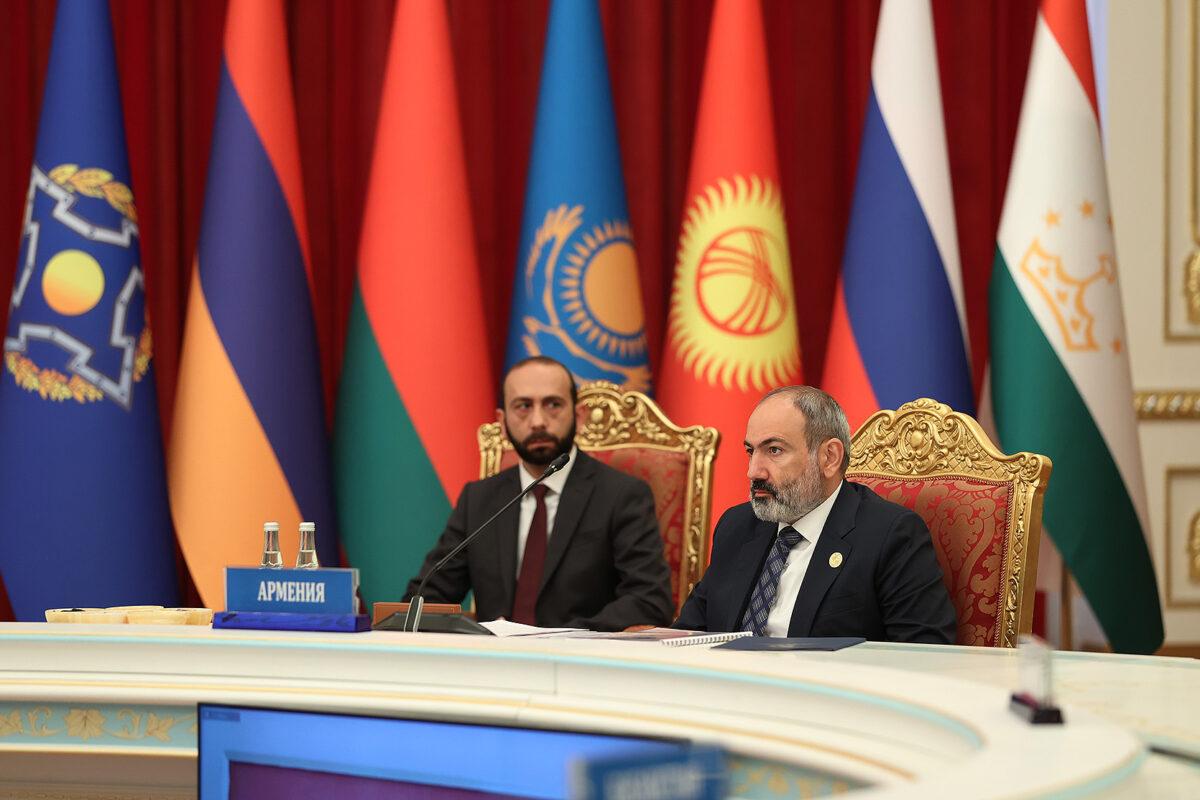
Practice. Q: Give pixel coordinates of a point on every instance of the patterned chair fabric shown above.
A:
(983, 508)
(628, 431)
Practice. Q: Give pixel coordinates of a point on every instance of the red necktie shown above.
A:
(530, 579)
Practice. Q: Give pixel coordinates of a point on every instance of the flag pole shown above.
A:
(1065, 621)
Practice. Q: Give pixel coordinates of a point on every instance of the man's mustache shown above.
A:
(539, 437)
(760, 485)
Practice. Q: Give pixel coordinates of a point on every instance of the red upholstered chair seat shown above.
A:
(968, 521)
(627, 431)
(666, 472)
(983, 509)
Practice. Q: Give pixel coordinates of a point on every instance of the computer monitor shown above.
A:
(266, 753)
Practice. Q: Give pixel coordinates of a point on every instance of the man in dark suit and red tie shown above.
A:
(812, 554)
(581, 550)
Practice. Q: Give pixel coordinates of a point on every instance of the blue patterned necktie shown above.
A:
(768, 582)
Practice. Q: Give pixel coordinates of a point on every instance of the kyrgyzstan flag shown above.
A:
(732, 329)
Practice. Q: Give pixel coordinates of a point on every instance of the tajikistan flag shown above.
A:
(1060, 380)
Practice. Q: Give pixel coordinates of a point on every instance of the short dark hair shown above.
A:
(824, 419)
(548, 361)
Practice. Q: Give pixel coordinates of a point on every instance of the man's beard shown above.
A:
(543, 457)
(789, 501)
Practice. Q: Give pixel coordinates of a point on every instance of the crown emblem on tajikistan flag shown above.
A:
(1070, 265)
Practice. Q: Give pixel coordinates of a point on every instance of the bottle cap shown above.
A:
(308, 526)
(270, 526)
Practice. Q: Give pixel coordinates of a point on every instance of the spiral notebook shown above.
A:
(672, 637)
(689, 638)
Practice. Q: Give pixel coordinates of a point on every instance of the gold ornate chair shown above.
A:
(628, 431)
(983, 508)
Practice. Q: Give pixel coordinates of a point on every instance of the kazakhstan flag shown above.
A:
(83, 501)
(576, 295)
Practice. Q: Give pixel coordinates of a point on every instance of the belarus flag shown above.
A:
(416, 381)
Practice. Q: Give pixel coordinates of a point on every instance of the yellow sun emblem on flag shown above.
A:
(595, 285)
(733, 316)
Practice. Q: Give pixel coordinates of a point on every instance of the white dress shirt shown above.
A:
(809, 526)
(554, 485)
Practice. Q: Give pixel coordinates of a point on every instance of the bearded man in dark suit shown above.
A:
(584, 553)
(812, 554)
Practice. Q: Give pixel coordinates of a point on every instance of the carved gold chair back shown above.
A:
(629, 432)
(983, 508)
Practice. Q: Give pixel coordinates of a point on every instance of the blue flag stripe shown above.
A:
(899, 301)
(254, 281)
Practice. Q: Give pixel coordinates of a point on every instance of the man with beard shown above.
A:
(812, 554)
(582, 550)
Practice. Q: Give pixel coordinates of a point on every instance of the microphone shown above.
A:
(417, 602)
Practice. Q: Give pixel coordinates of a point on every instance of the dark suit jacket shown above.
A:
(887, 588)
(604, 561)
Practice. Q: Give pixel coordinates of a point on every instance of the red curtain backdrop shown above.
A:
(820, 53)
(169, 55)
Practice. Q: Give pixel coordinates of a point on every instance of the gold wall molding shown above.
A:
(1181, 543)
(1167, 404)
(1186, 283)
(1194, 548)
(1191, 287)
(1191, 270)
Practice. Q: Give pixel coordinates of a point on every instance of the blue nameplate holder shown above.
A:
(291, 600)
(281, 621)
(694, 773)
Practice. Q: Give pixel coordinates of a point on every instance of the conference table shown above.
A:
(111, 710)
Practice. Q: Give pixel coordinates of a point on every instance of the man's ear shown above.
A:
(500, 419)
(832, 453)
(581, 413)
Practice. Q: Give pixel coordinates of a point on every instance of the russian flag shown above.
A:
(249, 441)
(899, 326)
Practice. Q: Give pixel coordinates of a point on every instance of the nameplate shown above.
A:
(293, 591)
(693, 773)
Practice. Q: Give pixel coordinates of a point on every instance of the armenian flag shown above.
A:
(249, 441)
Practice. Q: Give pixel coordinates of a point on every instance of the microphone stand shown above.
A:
(416, 603)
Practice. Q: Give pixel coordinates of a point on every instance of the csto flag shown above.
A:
(249, 441)
(899, 328)
(82, 488)
(1060, 366)
(416, 381)
(732, 332)
(576, 295)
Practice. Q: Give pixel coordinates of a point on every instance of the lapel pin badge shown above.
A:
(835, 560)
